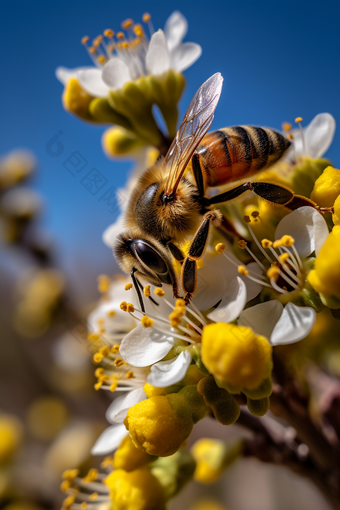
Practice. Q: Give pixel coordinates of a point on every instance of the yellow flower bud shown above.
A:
(237, 357)
(258, 407)
(225, 408)
(138, 490)
(161, 424)
(128, 457)
(213, 457)
(118, 141)
(326, 187)
(76, 100)
(10, 436)
(336, 215)
(325, 278)
(152, 391)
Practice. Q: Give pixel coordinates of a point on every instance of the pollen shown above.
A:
(99, 372)
(283, 258)
(106, 462)
(119, 362)
(83, 505)
(287, 240)
(273, 273)
(298, 119)
(99, 384)
(220, 247)
(147, 322)
(111, 313)
(146, 291)
(92, 50)
(180, 303)
(242, 244)
(109, 33)
(286, 126)
(123, 306)
(93, 496)
(266, 243)
(113, 386)
(138, 30)
(159, 292)
(255, 214)
(243, 270)
(130, 375)
(128, 286)
(69, 474)
(105, 351)
(68, 501)
(92, 336)
(277, 243)
(66, 484)
(101, 59)
(115, 349)
(130, 308)
(120, 35)
(98, 357)
(84, 39)
(146, 17)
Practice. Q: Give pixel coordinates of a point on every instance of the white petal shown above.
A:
(185, 55)
(118, 415)
(114, 408)
(307, 226)
(109, 440)
(176, 27)
(121, 322)
(63, 74)
(157, 57)
(253, 288)
(232, 303)
(144, 346)
(166, 373)
(110, 233)
(91, 81)
(262, 318)
(295, 323)
(319, 134)
(211, 285)
(115, 73)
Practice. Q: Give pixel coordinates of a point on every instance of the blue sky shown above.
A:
(280, 60)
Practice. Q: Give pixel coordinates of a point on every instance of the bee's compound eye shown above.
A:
(149, 256)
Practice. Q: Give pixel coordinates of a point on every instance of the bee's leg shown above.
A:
(196, 252)
(176, 252)
(196, 168)
(135, 284)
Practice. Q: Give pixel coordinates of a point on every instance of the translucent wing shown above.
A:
(196, 122)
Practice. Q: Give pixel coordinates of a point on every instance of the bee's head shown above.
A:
(150, 259)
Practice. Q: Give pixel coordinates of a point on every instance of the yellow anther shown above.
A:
(266, 243)
(246, 219)
(105, 351)
(69, 474)
(115, 349)
(92, 336)
(103, 283)
(111, 313)
(273, 273)
(84, 39)
(159, 292)
(146, 291)
(138, 30)
(123, 306)
(277, 243)
(130, 308)
(99, 372)
(130, 375)
(69, 501)
(125, 45)
(96, 42)
(97, 358)
(243, 270)
(255, 214)
(291, 137)
(101, 59)
(146, 17)
(242, 244)
(91, 475)
(109, 33)
(287, 240)
(283, 258)
(286, 126)
(128, 286)
(298, 119)
(98, 384)
(93, 496)
(119, 362)
(100, 321)
(106, 462)
(83, 505)
(120, 35)
(92, 50)
(220, 247)
(147, 322)
(66, 484)
(102, 330)
(113, 386)
(127, 23)
(180, 303)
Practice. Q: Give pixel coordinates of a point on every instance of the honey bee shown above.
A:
(168, 206)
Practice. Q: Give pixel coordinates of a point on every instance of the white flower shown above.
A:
(124, 60)
(315, 139)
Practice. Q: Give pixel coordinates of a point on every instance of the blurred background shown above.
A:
(279, 60)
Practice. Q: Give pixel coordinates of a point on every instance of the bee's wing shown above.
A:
(196, 122)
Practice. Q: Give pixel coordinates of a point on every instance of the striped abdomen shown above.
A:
(235, 153)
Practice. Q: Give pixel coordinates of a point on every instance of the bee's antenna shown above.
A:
(139, 294)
